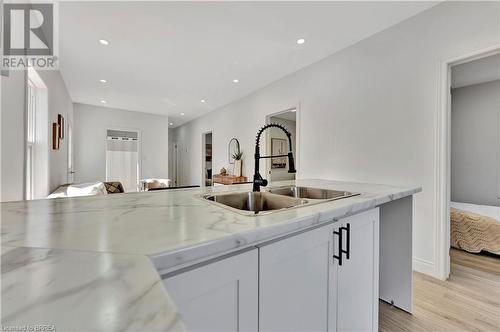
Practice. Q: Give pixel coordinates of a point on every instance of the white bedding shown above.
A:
(484, 210)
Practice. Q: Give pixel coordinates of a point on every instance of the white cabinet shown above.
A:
(295, 275)
(303, 287)
(356, 276)
(296, 283)
(219, 296)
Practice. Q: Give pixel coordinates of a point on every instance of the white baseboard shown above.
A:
(424, 266)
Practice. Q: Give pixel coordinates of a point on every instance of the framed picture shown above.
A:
(55, 136)
(279, 146)
(60, 122)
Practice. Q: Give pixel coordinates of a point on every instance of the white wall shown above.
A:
(13, 143)
(90, 127)
(59, 102)
(475, 144)
(368, 113)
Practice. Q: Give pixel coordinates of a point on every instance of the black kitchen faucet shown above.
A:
(258, 181)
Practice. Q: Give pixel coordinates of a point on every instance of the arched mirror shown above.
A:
(234, 147)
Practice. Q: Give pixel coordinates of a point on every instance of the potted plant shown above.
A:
(237, 163)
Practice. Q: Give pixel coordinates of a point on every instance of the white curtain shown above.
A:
(122, 163)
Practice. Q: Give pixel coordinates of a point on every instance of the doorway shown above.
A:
(207, 159)
(71, 171)
(475, 155)
(443, 160)
(277, 144)
(175, 164)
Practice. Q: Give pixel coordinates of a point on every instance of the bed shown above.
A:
(475, 228)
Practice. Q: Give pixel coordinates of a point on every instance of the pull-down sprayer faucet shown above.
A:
(258, 181)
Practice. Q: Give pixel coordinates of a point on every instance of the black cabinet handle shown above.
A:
(348, 241)
(339, 256)
(341, 250)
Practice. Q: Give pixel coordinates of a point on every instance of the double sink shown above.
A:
(275, 199)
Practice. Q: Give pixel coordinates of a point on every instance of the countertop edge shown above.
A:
(168, 261)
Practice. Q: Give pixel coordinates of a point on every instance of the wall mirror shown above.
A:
(234, 147)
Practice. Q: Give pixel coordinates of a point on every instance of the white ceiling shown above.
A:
(474, 72)
(164, 57)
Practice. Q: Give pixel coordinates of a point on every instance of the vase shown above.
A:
(237, 167)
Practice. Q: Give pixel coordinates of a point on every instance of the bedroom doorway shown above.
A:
(468, 163)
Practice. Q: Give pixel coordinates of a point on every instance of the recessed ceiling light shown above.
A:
(103, 81)
(103, 101)
(203, 101)
(301, 41)
(236, 80)
(171, 123)
(182, 113)
(103, 41)
(293, 111)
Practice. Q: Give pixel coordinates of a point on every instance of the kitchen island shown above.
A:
(104, 263)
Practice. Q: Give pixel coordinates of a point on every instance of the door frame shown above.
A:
(203, 161)
(443, 159)
(296, 154)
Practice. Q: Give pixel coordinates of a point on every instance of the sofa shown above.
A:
(87, 189)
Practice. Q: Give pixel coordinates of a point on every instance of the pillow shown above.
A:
(61, 191)
(155, 183)
(86, 189)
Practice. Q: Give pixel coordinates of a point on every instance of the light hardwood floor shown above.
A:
(468, 301)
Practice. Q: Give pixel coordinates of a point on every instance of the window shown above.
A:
(122, 158)
(30, 140)
(36, 184)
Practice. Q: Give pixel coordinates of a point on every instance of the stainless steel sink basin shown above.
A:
(275, 199)
(251, 203)
(311, 193)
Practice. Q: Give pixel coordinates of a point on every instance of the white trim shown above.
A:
(423, 266)
(443, 160)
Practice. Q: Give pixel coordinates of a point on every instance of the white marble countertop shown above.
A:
(89, 264)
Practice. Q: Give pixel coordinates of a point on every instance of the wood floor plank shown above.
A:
(468, 301)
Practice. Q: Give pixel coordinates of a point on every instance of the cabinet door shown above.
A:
(294, 282)
(356, 280)
(219, 296)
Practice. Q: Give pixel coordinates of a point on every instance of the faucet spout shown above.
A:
(258, 181)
